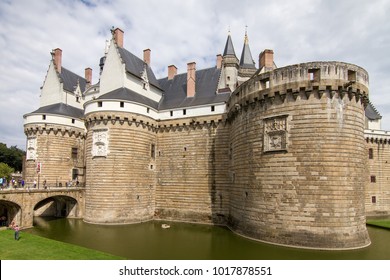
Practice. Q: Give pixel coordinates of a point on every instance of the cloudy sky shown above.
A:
(177, 32)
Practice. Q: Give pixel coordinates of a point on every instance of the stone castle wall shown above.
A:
(377, 193)
(192, 171)
(121, 178)
(298, 155)
(53, 150)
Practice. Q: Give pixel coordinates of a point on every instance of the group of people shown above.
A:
(13, 183)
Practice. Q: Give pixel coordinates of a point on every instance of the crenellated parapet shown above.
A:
(31, 130)
(302, 80)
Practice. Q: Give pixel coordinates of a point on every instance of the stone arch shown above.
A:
(10, 213)
(58, 206)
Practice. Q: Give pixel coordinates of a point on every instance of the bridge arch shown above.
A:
(10, 213)
(58, 206)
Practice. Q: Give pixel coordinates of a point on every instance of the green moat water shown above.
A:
(192, 242)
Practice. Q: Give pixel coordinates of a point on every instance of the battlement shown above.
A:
(304, 78)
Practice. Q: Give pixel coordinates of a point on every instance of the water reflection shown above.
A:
(191, 241)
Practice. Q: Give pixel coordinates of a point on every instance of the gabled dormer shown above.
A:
(122, 69)
(61, 85)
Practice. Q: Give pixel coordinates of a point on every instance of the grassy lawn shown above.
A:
(32, 247)
(379, 223)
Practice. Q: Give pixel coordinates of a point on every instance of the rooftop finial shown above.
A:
(246, 35)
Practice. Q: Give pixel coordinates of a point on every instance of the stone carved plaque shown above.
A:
(275, 134)
(100, 143)
(31, 148)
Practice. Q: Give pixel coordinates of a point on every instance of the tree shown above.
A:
(5, 171)
(12, 156)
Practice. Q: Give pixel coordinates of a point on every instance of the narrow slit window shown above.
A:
(370, 153)
(122, 104)
(100, 103)
(184, 112)
(212, 108)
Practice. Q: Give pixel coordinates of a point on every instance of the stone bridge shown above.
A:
(19, 206)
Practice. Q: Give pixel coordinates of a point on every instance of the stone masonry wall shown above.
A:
(298, 155)
(192, 165)
(377, 192)
(121, 173)
(54, 151)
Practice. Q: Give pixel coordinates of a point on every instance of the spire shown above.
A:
(229, 49)
(246, 60)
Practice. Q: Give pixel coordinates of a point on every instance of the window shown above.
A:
(373, 199)
(212, 108)
(77, 99)
(100, 103)
(147, 110)
(171, 113)
(75, 173)
(370, 153)
(43, 117)
(73, 121)
(153, 151)
(373, 179)
(184, 112)
(122, 104)
(74, 153)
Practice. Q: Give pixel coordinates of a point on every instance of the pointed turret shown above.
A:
(230, 65)
(229, 49)
(246, 60)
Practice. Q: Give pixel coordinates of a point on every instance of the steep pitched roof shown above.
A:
(229, 49)
(70, 80)
(129, 95)
(60, 109)
(136, 66)
(175, 95)
(246, 60)
(372, 113)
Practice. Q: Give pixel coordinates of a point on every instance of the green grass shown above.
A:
(33, 247)
(379, 223)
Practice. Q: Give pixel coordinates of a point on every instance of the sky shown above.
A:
(178, 32)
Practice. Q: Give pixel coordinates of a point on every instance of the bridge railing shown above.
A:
(47, 187)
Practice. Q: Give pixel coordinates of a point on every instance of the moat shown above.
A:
(192, 241)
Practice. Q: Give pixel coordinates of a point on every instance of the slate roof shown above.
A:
(136, 66)
(70, 79)
(246, 60)
(175, 90)
(372, 113)
(60, 109)
(129, 95)
(229, 49)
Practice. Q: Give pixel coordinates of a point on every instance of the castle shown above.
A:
(276, 154)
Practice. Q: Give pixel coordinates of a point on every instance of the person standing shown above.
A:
(16, 229)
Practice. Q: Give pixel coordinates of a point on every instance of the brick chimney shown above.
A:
(172, 71)
(57, 57)
(191, 68)
(266, 59)
(147, 56)
(88, 76)
(118, 37)
(219, 61)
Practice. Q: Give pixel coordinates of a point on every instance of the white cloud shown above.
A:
(178, 32)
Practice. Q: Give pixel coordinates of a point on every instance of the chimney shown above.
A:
(219, 61)
(266, 59)
(147, 56)
(172, 71)
(88, 76)
(57, 57)
(191, 67)
(118, 37)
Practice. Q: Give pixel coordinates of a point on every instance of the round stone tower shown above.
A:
(298, 155)
(120, 159)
